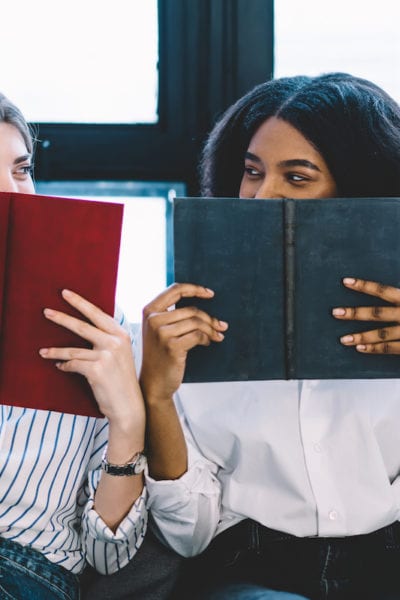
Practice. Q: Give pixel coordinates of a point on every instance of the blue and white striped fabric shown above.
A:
(49, 470)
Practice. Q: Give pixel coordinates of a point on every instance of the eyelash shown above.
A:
(25, 170)
(290, 176)
(301, 178)
(252, 172)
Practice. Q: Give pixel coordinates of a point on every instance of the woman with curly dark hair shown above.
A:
(283, 487)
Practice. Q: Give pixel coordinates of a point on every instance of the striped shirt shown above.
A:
(49, 470)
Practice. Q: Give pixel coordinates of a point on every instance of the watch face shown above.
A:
(136, 467)
(140, 464)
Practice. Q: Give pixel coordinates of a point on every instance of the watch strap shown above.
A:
(135, 466)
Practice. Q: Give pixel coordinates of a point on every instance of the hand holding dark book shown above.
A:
(168, 335)
(382, 340)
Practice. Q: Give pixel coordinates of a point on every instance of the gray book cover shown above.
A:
(276, 267)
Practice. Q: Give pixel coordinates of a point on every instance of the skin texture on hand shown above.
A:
(168, 335)
(110, 370)
(380, 340)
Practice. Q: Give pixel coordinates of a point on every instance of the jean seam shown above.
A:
(46, 582)
(255, 538)
(324, 579)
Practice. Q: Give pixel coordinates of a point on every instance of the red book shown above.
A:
(48, 244)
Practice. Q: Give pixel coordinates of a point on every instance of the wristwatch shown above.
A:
(134, 467)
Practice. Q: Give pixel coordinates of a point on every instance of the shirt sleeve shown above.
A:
(105, 550)
(185, 512)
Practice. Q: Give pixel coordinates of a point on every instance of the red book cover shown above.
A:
(48, 244)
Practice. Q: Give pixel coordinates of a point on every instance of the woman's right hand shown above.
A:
(168, 335)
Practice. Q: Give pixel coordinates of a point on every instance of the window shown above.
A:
(84, 62)
(360, 37)
(209, 54)
(198, 56)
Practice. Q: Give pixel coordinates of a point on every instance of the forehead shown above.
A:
(276, 136)
(11, 140)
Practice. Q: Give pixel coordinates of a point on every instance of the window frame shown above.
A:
(210, 53)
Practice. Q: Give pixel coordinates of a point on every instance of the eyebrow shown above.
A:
(22, 158)
(293, 162)
(299, 162)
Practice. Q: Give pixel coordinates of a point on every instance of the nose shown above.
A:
(7, 182)
(269, 188)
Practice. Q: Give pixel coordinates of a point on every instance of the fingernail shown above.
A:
(48, 312)
(223, 324)
(338, 312)
(347, 339)
(43, 351)
(349, 280)
(220, 336)
(361, 347)
(66, 292)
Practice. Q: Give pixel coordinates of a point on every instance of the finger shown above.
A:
(81, 328)
(371, 337)
(97, 316)
(182, 328)
(381, 348)
(157, 320)
(367, 313)
(374, 288)
(74, 366)
(173, 294)
(68, 354)
(189, 341)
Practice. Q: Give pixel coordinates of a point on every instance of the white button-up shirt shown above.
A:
(311, 458)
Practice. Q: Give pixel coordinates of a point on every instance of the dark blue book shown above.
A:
(276, 267)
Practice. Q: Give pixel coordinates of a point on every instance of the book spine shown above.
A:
(289, 215)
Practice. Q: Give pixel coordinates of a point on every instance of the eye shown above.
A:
(297, 178)
(24, 170)
(252, 171)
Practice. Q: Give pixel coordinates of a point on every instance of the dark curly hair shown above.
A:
(352, 122)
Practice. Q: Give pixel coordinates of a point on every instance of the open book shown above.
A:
(47, 244)
(276, 267)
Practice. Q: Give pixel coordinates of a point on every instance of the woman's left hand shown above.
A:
(108, 366)
(383, 340)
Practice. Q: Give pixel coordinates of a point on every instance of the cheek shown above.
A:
(246, 189)
(26, 187)
(329, 190)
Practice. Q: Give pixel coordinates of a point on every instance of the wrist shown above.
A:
(122, 454)
(127, 419)
(125, 440)
(159, 401)
(134, 466)
(155, 389)
(154, 394)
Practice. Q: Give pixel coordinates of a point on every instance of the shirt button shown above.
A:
(317, 448)
(333, 515)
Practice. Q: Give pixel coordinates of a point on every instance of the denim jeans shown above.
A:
(363, 566)
(26, 574)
